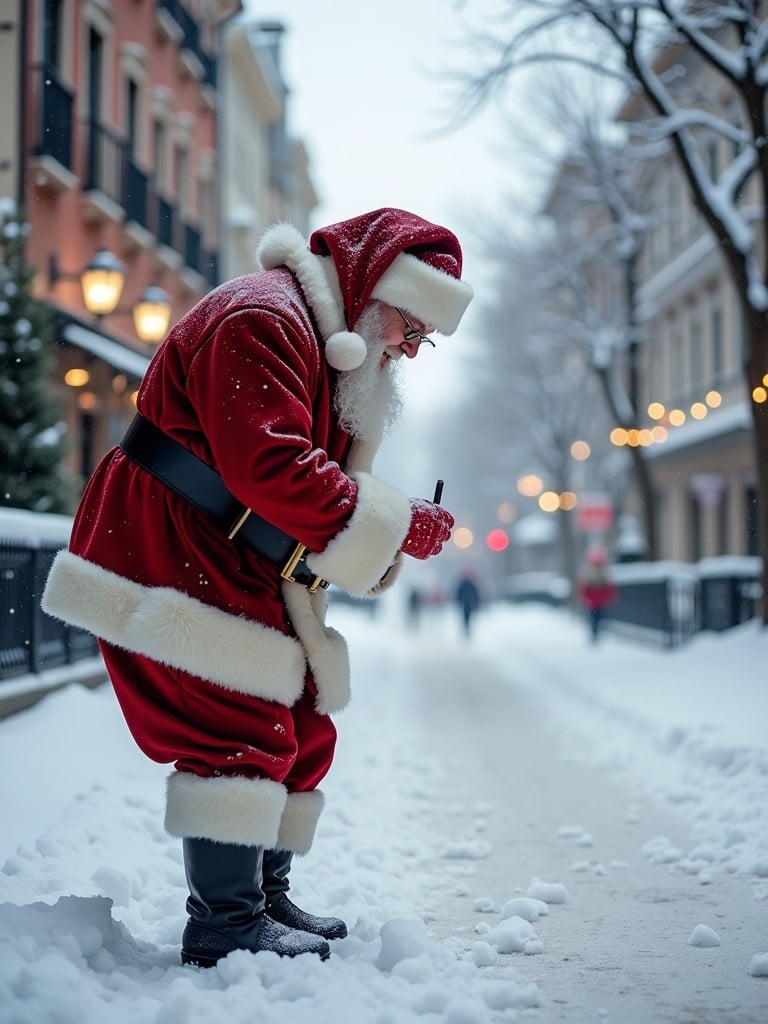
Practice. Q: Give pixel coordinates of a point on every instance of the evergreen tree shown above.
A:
(32, 472)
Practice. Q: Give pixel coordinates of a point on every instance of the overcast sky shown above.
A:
(366, 101)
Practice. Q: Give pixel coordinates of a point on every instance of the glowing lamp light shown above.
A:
(656, 410)
(618, 436)
(580, 451)
(549, 501)
(677, 417)
(568, 501)
(713, 399)
(530, 485)
(152, 314)
(497, 540)
(76, 377)
(463, 538)
(102, 283)
(759, 395)
(659, 433)
(699, 410)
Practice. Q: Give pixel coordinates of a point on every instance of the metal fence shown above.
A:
(669, 601)
(30, 640)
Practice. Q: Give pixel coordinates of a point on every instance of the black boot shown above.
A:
(276, 865)
(226, 907)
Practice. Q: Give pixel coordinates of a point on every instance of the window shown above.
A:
(53, 33)
(696, 348)
(676, 379)
(159, 152)
(132, 117)
(181, 176)
(656, 372)
(716, 338)
(95, 71)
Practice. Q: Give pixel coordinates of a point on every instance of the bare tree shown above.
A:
(658, 49)
(533, 391)
(601, 220)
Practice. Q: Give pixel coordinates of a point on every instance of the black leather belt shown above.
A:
(200, 485)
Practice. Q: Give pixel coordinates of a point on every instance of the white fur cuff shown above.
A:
(360, 554)
(225, 809)
(299, 821)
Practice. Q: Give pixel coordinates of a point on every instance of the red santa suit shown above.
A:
(221, 667)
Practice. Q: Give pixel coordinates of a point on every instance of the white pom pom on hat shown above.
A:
(345, 350)
(399, 258)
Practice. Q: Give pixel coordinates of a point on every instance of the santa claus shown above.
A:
(203, 543)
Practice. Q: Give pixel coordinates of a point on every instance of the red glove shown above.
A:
(430, 528)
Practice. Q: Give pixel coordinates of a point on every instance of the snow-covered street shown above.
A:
(518, 826)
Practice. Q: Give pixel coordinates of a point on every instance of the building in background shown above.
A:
(139, 136)
(265, 171)
(692, 368)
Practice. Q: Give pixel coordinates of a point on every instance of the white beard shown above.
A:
(369, 400)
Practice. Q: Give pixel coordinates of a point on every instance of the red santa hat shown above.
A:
(388, 254)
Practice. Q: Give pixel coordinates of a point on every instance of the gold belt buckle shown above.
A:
(290, 567)
(238, 523)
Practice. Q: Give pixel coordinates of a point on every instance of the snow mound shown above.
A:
(703, 935)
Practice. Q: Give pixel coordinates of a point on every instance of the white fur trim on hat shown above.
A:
(284, 246)
(431, 295)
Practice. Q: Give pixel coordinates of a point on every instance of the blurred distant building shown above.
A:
(265, 171)
(146, 141)
(692, 357)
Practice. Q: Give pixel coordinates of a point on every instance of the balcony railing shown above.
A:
(55, 118)
(106, 158)
(191, 37)
(166, 224)
(136, 194)
(193, 248)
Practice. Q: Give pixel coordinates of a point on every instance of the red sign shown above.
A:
(595, 513)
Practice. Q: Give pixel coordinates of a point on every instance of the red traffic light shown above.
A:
(497, 540)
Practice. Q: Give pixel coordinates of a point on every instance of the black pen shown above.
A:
(438, 492)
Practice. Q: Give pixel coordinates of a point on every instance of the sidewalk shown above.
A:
(618, 949)
(518, 826)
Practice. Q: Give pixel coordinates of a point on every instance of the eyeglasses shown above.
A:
(412, 333)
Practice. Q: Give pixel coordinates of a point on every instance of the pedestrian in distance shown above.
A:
(597, 590)
(204, 541)
(468, 599)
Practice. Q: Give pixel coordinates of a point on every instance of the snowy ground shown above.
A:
(518, 826)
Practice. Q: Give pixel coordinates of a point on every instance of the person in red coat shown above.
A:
(203, 542)
(596, 589)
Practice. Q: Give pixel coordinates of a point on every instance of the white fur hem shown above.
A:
(225, 809)
(360, 554)
(432, 295)
(174, 629)
(325, 647)
(299, 821)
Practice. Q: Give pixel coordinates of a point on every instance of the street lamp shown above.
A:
(152, 314)
(102, 283)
